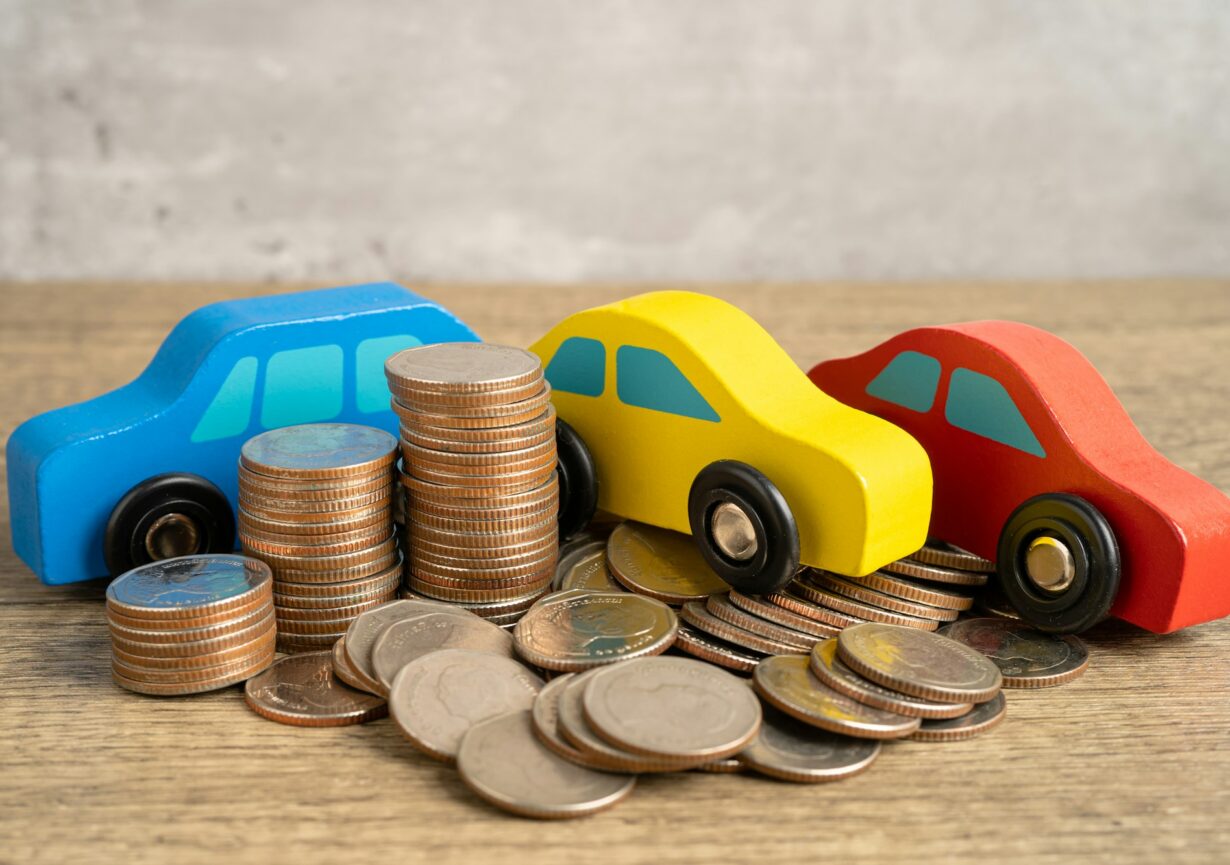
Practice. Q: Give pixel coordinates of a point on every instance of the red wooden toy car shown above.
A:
(1038, 466)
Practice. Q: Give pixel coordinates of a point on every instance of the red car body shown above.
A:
(1173, 529)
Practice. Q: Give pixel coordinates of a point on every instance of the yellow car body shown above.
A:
(859, 487)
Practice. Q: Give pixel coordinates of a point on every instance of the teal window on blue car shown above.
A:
(649, 379)
(979, 404)
(579, 366)
(231, 409)
(302, 385)
(910, 380)
(371, 391)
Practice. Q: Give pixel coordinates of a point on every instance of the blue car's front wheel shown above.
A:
(165, 516)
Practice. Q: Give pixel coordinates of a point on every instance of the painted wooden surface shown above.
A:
(1131, 763)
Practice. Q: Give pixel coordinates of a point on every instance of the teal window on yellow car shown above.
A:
(979, 404)
(910, 381)
(371, 388)
(302, 385)
(231, 409)
(649, 379)
(579, 366)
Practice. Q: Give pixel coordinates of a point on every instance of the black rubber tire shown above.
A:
(1089, 537)
(776, 559)
(578, 481)
(188, 494)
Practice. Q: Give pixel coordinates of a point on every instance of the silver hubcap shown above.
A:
(733, 532)
(172, 535)
(1049, 563)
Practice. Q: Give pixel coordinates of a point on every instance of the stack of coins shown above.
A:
(315, 504)
(478, 464)
(191, 624)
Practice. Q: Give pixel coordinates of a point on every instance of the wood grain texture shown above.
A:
(1131, 763)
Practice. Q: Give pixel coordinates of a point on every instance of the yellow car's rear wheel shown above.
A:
(743, 527)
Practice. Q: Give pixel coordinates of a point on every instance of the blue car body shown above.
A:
(226, 372)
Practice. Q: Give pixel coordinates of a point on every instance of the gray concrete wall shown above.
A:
(634, 140)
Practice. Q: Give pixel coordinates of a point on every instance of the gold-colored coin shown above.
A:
(922, 665)
(576, 630)
(661, 564)
(830, 669)
(820, 594)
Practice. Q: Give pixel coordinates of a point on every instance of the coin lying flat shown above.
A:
(462, 367)
(438, 697)
(787, 683)
(190, 587)
(859, 592)
(407, 640)
(301, 690)
(981, 718)
(830, 670)
(502, 761)
(585, 568)
(889, 584)
(662, 564)
(672, 707)
(579, 629)
(918, 663)
(721, 607)
(1027, 657)
(936, 573)
(819, 591)
(318, 450)
(790, 750)
(698, 644)
(948, 556)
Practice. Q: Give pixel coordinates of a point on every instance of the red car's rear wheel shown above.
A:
(1059, 563)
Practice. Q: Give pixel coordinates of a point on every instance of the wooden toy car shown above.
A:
(148, 471)
(1038, 466)
(696, 420)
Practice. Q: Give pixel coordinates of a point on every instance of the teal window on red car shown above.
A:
(909, 380)
(979, 404)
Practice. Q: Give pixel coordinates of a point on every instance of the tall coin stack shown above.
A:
(190, 624)
(478, 464)
(315, 504)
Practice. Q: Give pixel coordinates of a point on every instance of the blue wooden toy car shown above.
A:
(148, 471)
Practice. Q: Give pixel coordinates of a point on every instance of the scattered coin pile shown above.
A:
(191, 624)
(478, 464)
(315, 504)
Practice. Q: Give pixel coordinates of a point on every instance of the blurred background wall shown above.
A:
(614, 140)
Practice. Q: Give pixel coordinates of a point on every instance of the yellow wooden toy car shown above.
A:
(687, 415)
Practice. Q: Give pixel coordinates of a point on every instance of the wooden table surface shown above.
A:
(1131, 763)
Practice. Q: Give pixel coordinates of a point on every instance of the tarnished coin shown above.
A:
(948, 556)
(545, 715)
(697, 614)
(302, 690)
(937, 574)
(1027, 657)
(919, 664)
(362, 633)
(502, 761)
(884, 582)
(850, 589)
(701, 645)
(585, 568)
(818, 593)
(190, 587)
(794, 599)
(721, 607)
(764, 609)
(576, 630)
(318, 450)
(787, 683)
(340, 575)
(661, 564)
(344, 671)
(981, 718)
(672, 707)
(462, 367)
(437, 697)
(832, 671)
(790, 750)
(407, 640)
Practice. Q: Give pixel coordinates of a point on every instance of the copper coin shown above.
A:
(343, 669)
(210, 658)
(410, 639)
(292, 644)
(532, 435)
(158, 676)
(981, 718)
(316, 523)
(786, 682)
(948, 556)
(1026, 657)
(491, 609)
(283, 509)
(831, 670)
(483, 485)
(335, 562)
(905, 589)
(524, 412)
(661, 564)
(287, 576)
(790, 750)
(374, 527)
(477, 580)
(762, 609)
(576, 630)
(543, 565)
(471, 595)
(544, 450)
(264, 488)
(794, 599)
(536, 534)
(176, 689)
(323, 594)
(850, 589)
(727, 766)
(417, 425)
(462, 367)
(721, 607)
(698, 616)
(919, 664)
(253, 628)
(820, 594)
(295, 629)
(491, 558)
(318, 450)
(287, 615)
(936, 574)
(189, 587)
(700, 645)
(142, 631)
(449, 502)
(481, 474)
(445, 402)
(303, 691)
(472, 525)
(361, 540)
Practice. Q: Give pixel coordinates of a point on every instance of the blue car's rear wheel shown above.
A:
(167, 516)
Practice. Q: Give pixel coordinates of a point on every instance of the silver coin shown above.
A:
(672, 707)
(936, 573)
(584, 567)
(410, 639)
(698, 644)
(950, 556)
(830, 669)
(502, 761)
(1027, 657)
(783, 616)
(189, 585)
(545, 715)
(362, 633)
(788, 749)
(981, 718)
(438, 697)
(579, 629)
(318, 450)
(919, 663)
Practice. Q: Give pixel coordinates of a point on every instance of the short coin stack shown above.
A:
(315, 504)
(478, 464)
(190, 624)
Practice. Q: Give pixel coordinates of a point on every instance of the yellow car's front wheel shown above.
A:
(744, 527)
